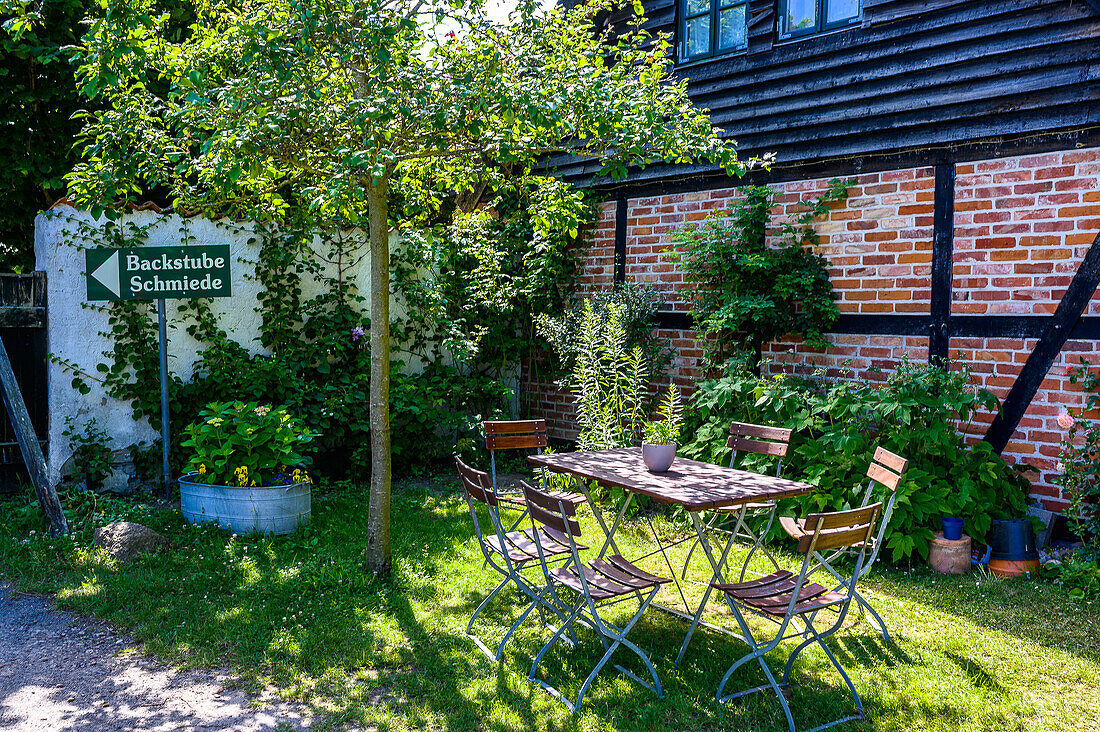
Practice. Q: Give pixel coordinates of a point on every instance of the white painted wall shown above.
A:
(75, 331)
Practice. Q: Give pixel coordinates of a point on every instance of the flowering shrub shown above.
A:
(1080, 456)
(247, 444)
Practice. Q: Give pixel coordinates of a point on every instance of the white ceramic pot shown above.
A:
(658, 458)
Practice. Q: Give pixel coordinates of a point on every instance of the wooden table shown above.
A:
(693, 485)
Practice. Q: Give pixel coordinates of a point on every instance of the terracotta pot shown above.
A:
(1013, 567)
(949, 556)
(658, 458)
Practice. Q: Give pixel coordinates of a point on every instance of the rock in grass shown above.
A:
(125, 540)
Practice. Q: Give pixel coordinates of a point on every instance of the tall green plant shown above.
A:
(747, 293)
(1079, 459)
(610, 385)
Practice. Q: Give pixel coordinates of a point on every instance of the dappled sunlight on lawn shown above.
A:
(300, 612)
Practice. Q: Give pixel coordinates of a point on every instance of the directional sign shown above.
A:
(158, 273)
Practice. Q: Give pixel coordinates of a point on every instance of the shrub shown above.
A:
(91, 452)
(241, 444)
(636, 307)
(746, 292)
(918, 413)
(1080, 457)
(1079, 573)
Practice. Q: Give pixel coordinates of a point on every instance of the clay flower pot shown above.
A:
(658, 458)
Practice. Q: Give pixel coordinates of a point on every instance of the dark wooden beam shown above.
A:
(29, 446)
(943, 246)
(960, 326)
(22, 317)
(621, 209)
(1058, 330)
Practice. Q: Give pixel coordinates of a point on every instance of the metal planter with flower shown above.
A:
(247, 472)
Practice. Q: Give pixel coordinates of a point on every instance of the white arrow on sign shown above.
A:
(107, 274)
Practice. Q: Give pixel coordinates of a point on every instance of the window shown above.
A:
(805, 17)
(711, 28)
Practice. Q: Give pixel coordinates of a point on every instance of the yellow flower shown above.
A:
(262, 411)
(202, 469)
(253, 484)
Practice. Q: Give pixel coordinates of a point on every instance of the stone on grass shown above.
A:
(125, 540)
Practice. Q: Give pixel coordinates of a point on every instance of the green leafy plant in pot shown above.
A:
(247, 471)
(663, 434)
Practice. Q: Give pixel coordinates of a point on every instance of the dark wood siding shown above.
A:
(913, 75)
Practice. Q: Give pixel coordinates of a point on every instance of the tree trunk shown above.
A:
(378, 557)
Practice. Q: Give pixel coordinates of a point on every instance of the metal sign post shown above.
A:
(159, 273)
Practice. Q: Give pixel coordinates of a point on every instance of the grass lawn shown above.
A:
(299, 612)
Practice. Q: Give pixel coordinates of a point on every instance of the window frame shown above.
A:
(819, 26)
(714, 12)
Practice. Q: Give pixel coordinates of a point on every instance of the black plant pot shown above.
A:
(1013, 540)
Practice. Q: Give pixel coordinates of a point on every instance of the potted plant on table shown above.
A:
(661, 435)
(246, 471)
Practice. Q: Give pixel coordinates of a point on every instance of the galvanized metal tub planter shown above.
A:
(270, 509)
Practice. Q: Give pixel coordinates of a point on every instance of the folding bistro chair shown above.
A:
(508, 553)
(886, 469)
(760, 440)
(597, 585)
(781, 597)
(517, 435)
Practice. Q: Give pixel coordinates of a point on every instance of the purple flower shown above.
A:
(357, 332)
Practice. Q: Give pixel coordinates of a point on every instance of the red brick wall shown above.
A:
(1022, 225)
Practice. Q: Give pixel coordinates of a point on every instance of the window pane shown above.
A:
(801, 14)
(840, 10)
(731, 28)
(698, 35)
(698, 6)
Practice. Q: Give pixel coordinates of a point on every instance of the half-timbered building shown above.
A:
(971, 131)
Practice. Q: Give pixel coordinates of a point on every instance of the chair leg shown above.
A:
(819, 638)
(872, 616)
(469, 626)
(758, 543)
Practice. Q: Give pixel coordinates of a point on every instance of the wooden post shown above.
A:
(28, 444)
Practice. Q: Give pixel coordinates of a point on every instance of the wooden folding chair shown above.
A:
(508, 553)
(781, 597)
(529, 434)
(760, 440)
(597, 585)
(886, 470)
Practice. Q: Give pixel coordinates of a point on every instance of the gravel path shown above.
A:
(60, 671)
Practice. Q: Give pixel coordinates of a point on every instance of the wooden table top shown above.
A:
(694, 485)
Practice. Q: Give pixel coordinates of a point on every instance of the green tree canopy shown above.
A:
(322, 111)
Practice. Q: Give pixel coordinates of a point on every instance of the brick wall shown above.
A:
(1022, 226)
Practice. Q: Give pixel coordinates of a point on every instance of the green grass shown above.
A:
(300, 613)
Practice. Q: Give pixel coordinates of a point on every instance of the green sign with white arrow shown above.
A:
(156, 273)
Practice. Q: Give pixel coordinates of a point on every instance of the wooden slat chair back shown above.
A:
(758, 439)
(507, 553)
(782, 597)
(526, 434)
(598, 583)
(886, 470)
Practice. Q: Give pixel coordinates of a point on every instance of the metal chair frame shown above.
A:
(852, 529)
(886, 469)
(477, 489)
(615, 580)
(759, 440)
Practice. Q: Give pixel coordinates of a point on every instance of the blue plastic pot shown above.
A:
(952, 528)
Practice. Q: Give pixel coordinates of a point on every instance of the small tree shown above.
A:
(319, 112)
(748, 293)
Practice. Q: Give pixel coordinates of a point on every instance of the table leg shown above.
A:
(716, 566)
(609, 534)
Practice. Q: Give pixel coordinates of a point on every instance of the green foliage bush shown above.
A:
(1080, 457)
(747, 292)
(1079, 573)
(917, 413)
(635, 307)
(247, 444)
(91, 448)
